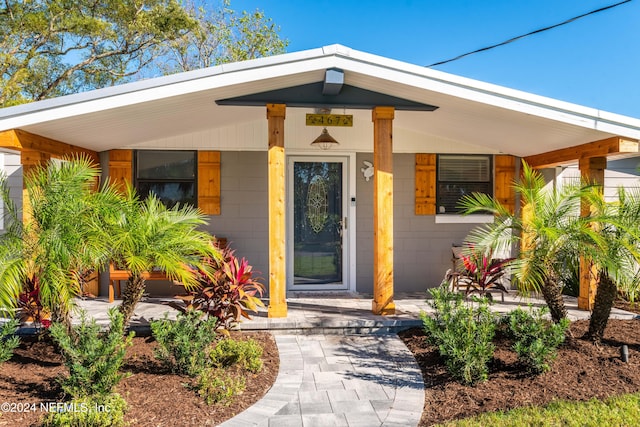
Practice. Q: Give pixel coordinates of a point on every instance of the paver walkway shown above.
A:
(338, 380)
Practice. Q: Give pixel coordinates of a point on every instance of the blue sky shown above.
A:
(594, 61)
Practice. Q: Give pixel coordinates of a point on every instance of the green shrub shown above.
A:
(536, 339)
(462, 333)
(247, 354)
(8, 341)
(104, 411)
(93, 357)
(215, 385)
(185, 344)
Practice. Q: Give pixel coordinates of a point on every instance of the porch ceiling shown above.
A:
(469, 112)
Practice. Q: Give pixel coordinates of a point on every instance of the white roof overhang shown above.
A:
(469, 112)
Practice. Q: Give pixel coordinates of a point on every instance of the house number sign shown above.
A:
(330, 120)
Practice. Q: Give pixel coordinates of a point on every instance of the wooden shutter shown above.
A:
(505, 167)
(425, 184)
(121, 167)
(209, 182)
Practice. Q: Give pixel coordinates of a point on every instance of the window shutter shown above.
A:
(209, 182)
(121, 167)
(505, 177)
(425, 184)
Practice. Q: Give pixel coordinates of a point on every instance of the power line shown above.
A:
(529, 34)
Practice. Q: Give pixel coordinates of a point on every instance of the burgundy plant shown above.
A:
(227, 292)
(481, 271)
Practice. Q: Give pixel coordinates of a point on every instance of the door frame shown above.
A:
(349, 211)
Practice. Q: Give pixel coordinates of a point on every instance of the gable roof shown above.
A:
(469, 112)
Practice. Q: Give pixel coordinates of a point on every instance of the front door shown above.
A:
(317, 212)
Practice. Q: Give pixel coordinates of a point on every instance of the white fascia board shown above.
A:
(242, 76)
(487, 93)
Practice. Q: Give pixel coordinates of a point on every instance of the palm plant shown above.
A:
(615, 253)
(58, 240)
(549, 226)
(146, 235)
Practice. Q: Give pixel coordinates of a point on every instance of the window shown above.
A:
(170, 175)
(459, 175)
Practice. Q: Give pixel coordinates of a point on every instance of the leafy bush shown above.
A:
(185, 344)
(229, 352)
(8, 341)
(482, 272)
(462, 333)
(227, 293)
(216, 386)
(536, 339)
(93, 357)
(104, 411)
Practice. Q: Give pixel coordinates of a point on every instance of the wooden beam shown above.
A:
(603, 148)
(592, 171)
(20, 140)
(277, 226)
(383, 211)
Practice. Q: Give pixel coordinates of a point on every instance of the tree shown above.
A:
(550, 226)
(220, 36)
(59, 241)
(146, 235)
(615, 252)
(50, 48)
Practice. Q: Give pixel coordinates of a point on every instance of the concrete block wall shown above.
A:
(422, 248)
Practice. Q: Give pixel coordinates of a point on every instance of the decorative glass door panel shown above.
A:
(318, 224)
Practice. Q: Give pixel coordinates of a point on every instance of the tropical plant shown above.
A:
(615, 252)
(8, 340)
(93, 358)
(482, 271)
(184, 345)
(147, 236)
(462, 333)
(550, 225)
(227, 293)
(536, 340)
(43, 257)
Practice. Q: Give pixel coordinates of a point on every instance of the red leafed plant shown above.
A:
(228, 291)
(31, 308)
(481, 271)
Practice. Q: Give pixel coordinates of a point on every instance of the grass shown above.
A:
(314, 265)
(616, 411)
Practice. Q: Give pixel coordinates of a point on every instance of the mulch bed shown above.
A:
(582, 371)
(154, 396)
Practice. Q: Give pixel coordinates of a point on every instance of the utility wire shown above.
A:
(529, 34)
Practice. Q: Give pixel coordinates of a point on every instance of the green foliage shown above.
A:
(43, 259)
(462, 333)
(228, 352)
(215, 385)
(222, 35)
(57, 47)
(146, 235)
(93, 358)
(89, 411)
(185, 344)
(8, 341)
(227, 293)
(536, 340)
(615, 411)
(549, 227)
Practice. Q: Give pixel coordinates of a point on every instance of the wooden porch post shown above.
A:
(383, 211)
(30, 160)
(591, 170)
(277, 253)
